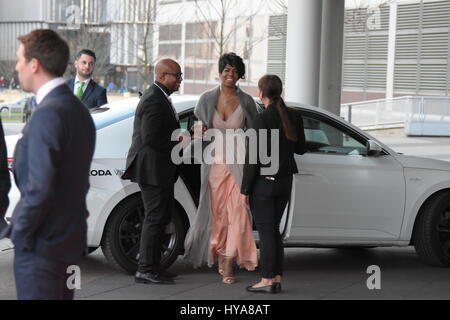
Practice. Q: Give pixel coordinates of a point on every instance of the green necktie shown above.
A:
(79, 90)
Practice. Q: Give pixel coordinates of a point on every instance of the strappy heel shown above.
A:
(220, 260)
(228, 274)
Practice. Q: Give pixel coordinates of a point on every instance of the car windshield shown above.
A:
(120, 110)
(113, 112)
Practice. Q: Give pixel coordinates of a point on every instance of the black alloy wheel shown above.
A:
(121, 239)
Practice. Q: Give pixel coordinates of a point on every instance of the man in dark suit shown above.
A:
(87, 90)
(51, 169)
(5, 182)
(149, 164)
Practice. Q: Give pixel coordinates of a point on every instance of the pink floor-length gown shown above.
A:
(231, 226)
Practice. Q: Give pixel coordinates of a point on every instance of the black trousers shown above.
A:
(40, 278)
(158, 205)
(267, 203)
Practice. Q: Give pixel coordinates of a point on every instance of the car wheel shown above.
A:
(121, 238)
(4, 111)
(432, 231)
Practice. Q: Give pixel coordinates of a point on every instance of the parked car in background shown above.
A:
(16, 106)
(16, 110)
(351, 191)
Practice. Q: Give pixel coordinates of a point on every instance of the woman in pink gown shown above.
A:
(222, 231)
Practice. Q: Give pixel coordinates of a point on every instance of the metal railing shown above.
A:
(417, 114)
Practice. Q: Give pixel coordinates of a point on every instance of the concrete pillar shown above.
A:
(391, 50)
(303, 51)
(333, 13)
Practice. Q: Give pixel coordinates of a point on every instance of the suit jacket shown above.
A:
(5, 183)
(51, 169)
(94, 96)
(270, 119)
(149, 157)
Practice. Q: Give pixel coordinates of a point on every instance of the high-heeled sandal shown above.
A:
(220, 261)
(228, 274)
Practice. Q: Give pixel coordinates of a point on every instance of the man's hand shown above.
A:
(199, 129)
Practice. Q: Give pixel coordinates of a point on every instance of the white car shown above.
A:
(351, 190)
(14, 109)
(14, 106)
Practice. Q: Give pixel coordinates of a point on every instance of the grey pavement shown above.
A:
(310, 274)
(429, 147)
(11, 128)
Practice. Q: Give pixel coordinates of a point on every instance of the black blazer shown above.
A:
(51, 169)
(5, 183)
(270, 119)
(149, 157)
(94, 96)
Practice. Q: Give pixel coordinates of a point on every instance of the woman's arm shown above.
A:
(252, 170)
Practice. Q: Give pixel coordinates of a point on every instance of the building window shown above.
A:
(170, 32)
(171, 50)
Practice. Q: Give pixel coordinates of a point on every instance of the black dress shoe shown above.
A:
(273, 288)
(152, 277)
(168, 274)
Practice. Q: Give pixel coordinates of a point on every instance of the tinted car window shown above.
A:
(325, 136)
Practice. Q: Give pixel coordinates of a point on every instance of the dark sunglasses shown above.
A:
(178, 75)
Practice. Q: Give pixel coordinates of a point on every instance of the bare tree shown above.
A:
(221, 25)
(7, 69)
(279, 6)
(92, 37)
(132, 30)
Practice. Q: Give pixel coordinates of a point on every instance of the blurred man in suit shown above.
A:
(51, 169)
(87, 90)
(149, 164)
(5, 182)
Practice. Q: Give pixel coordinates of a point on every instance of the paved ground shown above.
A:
(310, 274)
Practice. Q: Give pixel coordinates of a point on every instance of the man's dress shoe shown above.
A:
(273, 288)
(168, 274)
(152, 277)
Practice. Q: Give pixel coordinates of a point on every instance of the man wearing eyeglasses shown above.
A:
(149, 164)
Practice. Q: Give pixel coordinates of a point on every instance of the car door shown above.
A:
(190, 173)
(340, 193)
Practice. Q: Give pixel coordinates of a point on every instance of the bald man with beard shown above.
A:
(149, 164)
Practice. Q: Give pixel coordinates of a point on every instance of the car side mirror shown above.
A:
(373, 148)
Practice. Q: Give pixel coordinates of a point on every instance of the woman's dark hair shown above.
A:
(233, 60)
(271, 87)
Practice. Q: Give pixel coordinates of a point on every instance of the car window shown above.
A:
(323, 135)
(187, 120)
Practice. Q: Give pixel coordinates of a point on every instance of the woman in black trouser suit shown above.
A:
(269, 193)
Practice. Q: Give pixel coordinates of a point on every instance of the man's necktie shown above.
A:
(79, 90)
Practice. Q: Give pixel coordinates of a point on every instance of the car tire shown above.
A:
(4, 110)
(121, 237)
(89, 250)
(432, 231)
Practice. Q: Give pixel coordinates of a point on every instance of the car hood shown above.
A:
(423, 163)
